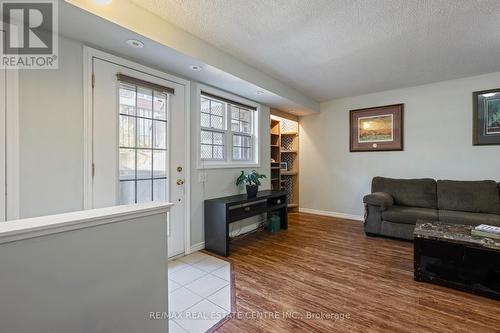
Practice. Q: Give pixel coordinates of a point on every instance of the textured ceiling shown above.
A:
(333, 48)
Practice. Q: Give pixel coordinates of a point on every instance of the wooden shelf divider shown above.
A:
(285, 148)
(275, 155)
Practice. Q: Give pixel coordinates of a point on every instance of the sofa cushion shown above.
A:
(408, 192)
(469, 196)
(456, 217)
(409, 215)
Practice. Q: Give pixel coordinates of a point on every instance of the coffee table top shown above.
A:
(455, 233)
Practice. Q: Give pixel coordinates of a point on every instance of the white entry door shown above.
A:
(139, 146)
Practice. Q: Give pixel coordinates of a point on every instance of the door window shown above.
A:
(143, 116)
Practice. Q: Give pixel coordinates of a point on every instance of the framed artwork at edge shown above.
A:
(377, 128)
(486, 113)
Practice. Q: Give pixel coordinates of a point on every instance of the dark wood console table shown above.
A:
(220, 212)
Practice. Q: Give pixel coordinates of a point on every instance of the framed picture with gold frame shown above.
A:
(377, 129)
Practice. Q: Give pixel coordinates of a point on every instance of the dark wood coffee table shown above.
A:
(448, 255)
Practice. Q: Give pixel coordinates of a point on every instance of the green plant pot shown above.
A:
(252, 191)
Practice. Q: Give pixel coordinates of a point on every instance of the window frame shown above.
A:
(240, 133)
(224, 131)
(228, 161)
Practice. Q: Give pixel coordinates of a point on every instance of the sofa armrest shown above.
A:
(380, 199)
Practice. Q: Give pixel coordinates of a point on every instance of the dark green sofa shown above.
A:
(395, 205)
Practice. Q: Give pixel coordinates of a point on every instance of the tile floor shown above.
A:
(199, 292)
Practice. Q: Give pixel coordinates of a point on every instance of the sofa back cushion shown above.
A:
(469, 196)
(408, 192)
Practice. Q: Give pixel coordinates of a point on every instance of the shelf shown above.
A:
(285, 147)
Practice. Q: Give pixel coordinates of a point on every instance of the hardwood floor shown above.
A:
(326, 265)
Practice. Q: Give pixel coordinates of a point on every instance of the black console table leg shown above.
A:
(284, 218)
(216, 233)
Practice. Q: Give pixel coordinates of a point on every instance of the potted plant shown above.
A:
(251, 180)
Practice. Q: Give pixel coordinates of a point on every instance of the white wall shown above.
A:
(133, 17)
(437, 139)
(51, 144)
(51, 135)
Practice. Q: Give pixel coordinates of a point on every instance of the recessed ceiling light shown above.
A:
(195, 68)
(103, 2)
(260, 92)
(135, 43)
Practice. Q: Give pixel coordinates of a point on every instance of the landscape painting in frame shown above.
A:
(486, 117)
(377, 129)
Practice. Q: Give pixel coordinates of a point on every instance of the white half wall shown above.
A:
(95, 271)
(437, 139)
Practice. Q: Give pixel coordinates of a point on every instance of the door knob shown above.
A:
(180, 181)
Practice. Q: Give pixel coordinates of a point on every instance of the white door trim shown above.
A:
(10, 192)
(12, 146)
(90, 53)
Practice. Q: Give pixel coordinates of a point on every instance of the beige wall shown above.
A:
(438, 144)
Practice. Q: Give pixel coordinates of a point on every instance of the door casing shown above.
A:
(9, 112)
(88, 54)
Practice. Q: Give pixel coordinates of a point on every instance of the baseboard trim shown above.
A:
(197, 247)
(331, 214)
(243, 229)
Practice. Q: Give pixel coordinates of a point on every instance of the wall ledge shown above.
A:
(45, 225)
